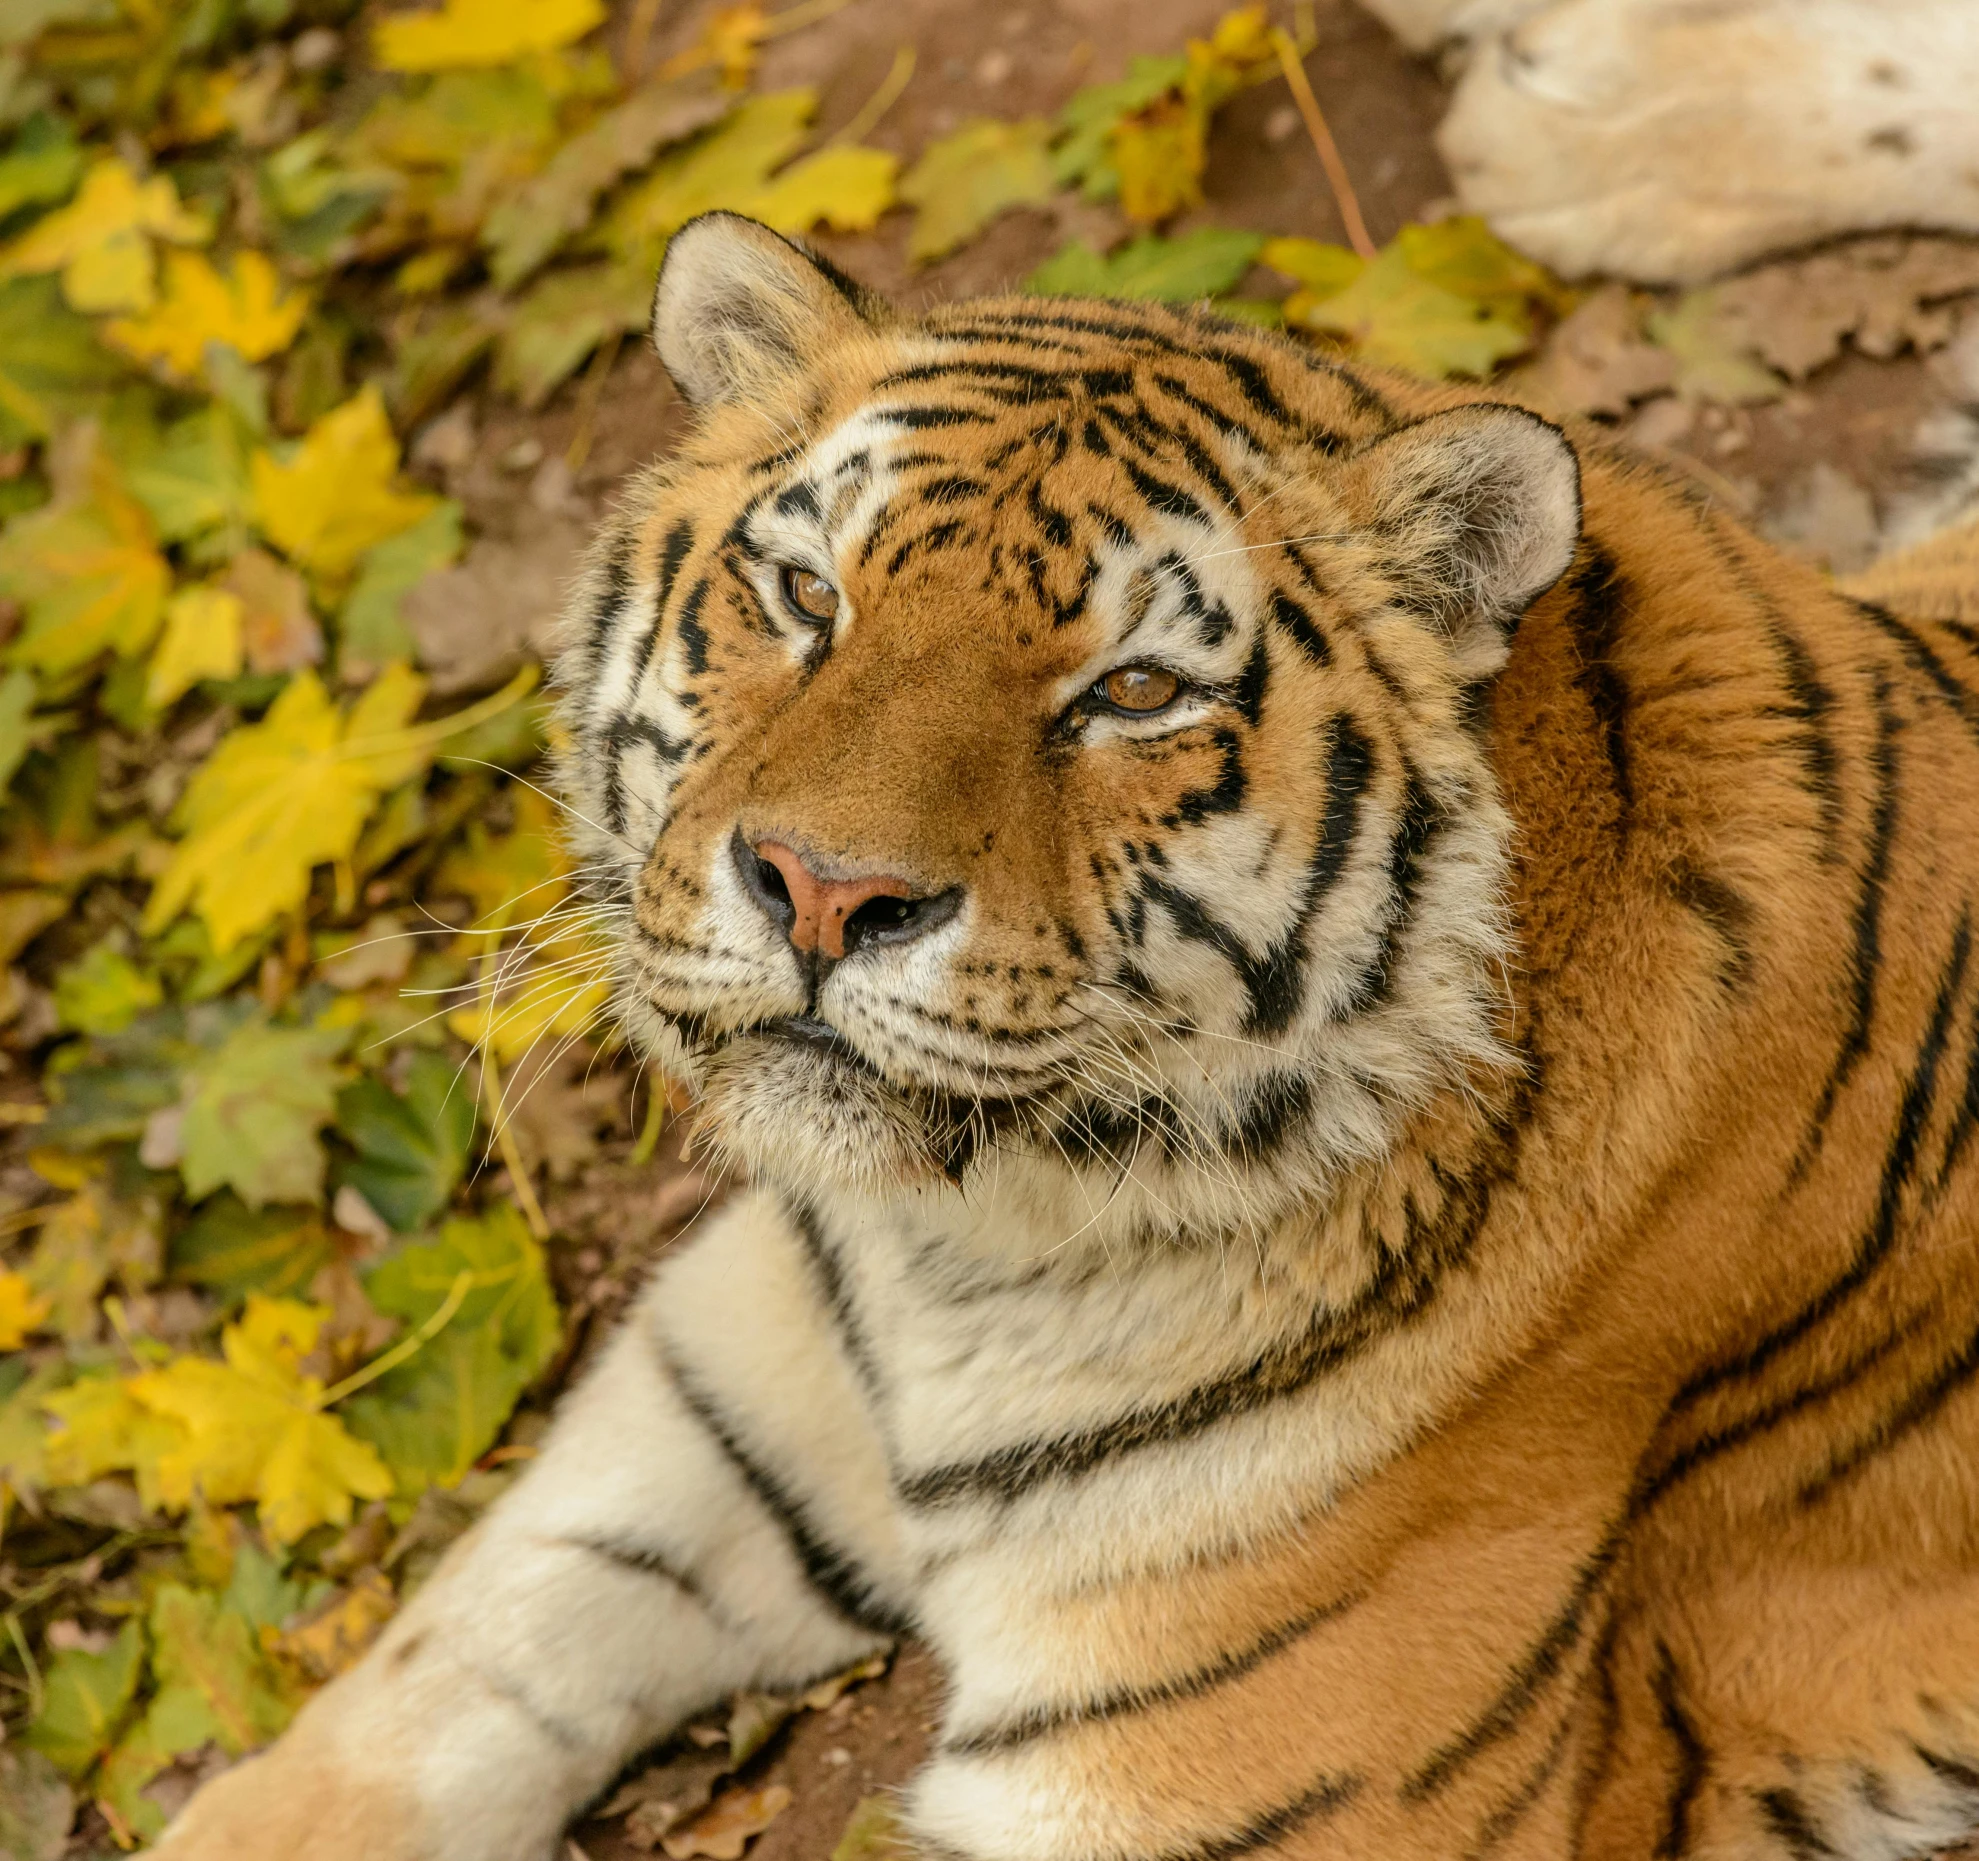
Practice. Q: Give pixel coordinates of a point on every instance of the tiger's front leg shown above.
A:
(710, 1512)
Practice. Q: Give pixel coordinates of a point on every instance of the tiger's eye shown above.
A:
(811, 595)
(1140, 688)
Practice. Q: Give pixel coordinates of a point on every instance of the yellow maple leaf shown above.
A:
(1159, 154)
(101, 241)
(1159, 150)
(335, 498)
(246, 311)
(731, 41)
(249, 1428)
(278, 798)
(521, 881)
(545, 1004)
(517, 878)
(1395, 316)
(105, 1429)
(466, 33)
(88, 570)
(845, 188)
(20, 1310)
(201, 640)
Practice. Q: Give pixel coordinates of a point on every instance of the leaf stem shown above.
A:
(28, 1663)
(419, 736)
(406, 1346)
(1324, 145)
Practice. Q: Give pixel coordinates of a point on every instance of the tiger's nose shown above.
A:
(834, 917)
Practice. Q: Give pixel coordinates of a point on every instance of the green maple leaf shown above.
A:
(18, 734)
(43, 166)
(563, 317)
(459, 116)
(549, 208)
(36, 1807)
(965, 180)
(1714, 360)
(233, 1250)
(84, 1701)
(1176, 271)
(435, 1415)
(103, 991)
(214, 1687)
(412, 1149)
(253, 1108)
(51, 366)
(192, 477)
(370, 628)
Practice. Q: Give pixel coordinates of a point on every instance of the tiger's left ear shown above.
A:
(740, 311)
(1478, 512)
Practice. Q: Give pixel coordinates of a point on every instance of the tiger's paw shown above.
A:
(1670, 143)
(298, 1803)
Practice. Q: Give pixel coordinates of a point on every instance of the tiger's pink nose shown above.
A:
(820, 910)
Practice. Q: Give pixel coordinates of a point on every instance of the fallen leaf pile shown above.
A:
(297, 988)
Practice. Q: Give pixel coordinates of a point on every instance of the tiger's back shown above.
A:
(1355, 1029)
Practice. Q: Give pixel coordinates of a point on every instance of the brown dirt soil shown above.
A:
(541, 500)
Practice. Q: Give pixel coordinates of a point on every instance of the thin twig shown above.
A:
(880, 102)
(796, 18)
(28, 1662)
(588, 397)
(1322, 141)
(639, 39)
(511, 1151)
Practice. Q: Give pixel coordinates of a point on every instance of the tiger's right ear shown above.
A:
(739, 311)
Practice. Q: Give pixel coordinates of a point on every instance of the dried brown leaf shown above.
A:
(278, 632)
(1598, 361)
(1885, 294)
(753, 1720)
(728, 1825)
(662, 1798)
(826, 1693)
(332, 1636)
(475, 622)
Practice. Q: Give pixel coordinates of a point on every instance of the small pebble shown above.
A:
(316, 49)
(524, 456)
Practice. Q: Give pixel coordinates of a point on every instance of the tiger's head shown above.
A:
(1036, 748)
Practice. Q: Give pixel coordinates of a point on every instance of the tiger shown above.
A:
(1349, 1025)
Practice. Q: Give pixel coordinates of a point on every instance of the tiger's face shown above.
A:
(1038, 747)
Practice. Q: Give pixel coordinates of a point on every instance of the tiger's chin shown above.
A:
(813, 1118)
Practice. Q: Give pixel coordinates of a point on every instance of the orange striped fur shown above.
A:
(1475, 1356)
